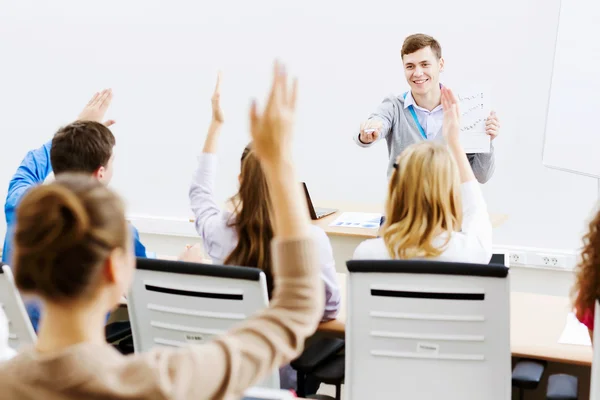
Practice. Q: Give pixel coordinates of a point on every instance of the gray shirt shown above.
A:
(400, 130)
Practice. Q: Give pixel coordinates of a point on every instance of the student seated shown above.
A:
(587, 276)
(435, 209)
(84, 146)
(73, 248)
(243, 237)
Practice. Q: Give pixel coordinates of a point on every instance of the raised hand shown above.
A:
(97, 107)
(451, 124)
(492, 125)
(370, 131)
(272, 129)
(217, 113)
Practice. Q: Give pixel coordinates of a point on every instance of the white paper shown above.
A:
(474, 109)
(358, 220)
(575, 332)
(267, 394)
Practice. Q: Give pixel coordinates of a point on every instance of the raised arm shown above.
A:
(378, 125)
(476, 223)
(230, 364)
(202, 199)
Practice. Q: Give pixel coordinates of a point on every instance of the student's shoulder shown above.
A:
(371, 249)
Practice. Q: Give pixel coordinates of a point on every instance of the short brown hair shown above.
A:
(83, 146)
(419, 41)
(65, 232)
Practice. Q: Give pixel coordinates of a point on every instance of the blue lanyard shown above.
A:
(414, 115)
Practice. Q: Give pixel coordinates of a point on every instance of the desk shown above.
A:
(536, 322)
(345, 240)
(364, 233)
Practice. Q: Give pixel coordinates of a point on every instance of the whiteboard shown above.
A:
(572, 137)
(161, 58)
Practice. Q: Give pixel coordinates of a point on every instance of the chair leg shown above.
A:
(301, 387)
(338, 391)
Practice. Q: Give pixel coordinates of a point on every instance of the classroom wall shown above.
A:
(161, 58)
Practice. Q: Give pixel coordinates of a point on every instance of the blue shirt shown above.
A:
(33, 170)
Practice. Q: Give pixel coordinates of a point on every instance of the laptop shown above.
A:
(267, 394)
(316, 213)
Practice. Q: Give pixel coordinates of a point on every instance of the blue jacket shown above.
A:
(33, 170)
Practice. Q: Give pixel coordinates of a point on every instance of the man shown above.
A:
(83, 146)
(418, 114)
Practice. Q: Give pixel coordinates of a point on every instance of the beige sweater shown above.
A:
(222, 369)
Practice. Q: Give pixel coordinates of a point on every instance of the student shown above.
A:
(587, 276)
(417, 115)
(73, 249)
(243, 237)
(435, 208)
(84, 146)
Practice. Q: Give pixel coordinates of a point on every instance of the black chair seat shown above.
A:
(332, 372)
(562, 387)
(527, 374)
(117, 331)
(317, 353)
(320, 397)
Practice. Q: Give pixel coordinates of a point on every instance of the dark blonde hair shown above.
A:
(419, 41)
(252, 221)
(587, 273)
(65, 231)
(423, 201)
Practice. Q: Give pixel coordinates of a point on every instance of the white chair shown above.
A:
(421, 329)
(595, 384)
(20, 330)
(173, 303)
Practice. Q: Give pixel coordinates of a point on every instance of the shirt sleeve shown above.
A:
(228, 365)
(483, 164)
(588, 318)
(202, 199)
(476, 224)
(328, 274)
(33, 170)
(385, 113)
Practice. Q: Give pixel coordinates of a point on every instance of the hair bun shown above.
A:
(56, 217)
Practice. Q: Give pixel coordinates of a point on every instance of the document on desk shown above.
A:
(474, 109)
(358, 220)
(575, 332)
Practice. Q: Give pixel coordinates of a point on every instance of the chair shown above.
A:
(174, 303)
(417, 327)
(21, 331)
(595, 383)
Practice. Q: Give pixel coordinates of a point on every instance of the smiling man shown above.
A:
(417, 115)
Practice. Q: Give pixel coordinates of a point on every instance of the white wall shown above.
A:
(160, 57)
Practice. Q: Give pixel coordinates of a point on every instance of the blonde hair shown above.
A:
(423, 201)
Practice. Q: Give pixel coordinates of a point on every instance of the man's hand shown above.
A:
(492, 125)
(217, 113)
(370, 131)
(97, 107)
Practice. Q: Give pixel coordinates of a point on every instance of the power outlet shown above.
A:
(517, 257)
(549, 260)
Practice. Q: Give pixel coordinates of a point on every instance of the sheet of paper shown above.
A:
(575, 332)
(358, 220)
(474, 109)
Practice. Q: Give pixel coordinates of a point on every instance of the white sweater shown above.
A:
(473, 244)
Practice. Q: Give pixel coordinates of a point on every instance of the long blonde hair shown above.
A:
(423, 201)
